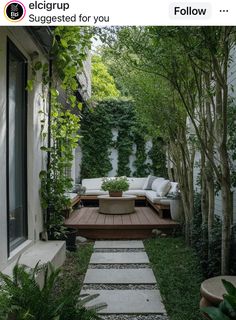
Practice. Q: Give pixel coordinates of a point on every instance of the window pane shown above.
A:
(17, 187)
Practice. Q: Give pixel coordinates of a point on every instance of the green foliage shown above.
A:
(142, 167)
(54, 181)
(27, 300)
(96, 142)
(227, 308)
(115, 184)
(71, 280)
(179, 276)
(158, 156)
(103, 84)
(232, 137)
(124, 149)
(69, 50)
(96, 129)
(210, 263)
(74, 269)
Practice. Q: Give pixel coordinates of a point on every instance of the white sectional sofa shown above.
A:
(156, 192)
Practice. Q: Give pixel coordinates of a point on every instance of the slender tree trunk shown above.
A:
(204, 206)
(227, 208)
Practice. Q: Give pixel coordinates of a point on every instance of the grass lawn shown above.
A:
(179, 276)
(74, 268)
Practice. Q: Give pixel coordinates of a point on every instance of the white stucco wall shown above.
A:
(26, 45)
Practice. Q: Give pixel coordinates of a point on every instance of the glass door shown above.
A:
(16, 147)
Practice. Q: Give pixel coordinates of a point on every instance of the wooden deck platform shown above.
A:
(138, 225)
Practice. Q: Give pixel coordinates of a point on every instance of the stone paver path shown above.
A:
(130, 293)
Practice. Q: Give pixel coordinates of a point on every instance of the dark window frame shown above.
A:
(11, 47)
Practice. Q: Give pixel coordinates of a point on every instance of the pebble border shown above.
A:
(134, 317)
(120, 250)
(128, 286)
(119, 266)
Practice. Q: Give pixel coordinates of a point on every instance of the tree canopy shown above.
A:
(103, 84)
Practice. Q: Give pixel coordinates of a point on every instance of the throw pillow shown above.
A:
(163, 188)
(156, 183)
(148, 182)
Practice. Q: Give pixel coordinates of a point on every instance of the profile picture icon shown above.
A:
(14, 11)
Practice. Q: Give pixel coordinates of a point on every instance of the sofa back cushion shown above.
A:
(93, 183)
(148, 182)
(174, 188)
(163, 187)
(136, 183)
(156, 183)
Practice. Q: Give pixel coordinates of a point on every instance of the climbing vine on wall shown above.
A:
(158, 156)
(97, 141)
(140, 163)
(69, 49)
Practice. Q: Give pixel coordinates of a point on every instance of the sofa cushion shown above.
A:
(156, 183)
(152, 196)
(165, 201)
(93, 183)
(138, 192)
(148, 182)
(95, 192)
(136, 183)
(174, 188)
(71, 195)
(163, 188)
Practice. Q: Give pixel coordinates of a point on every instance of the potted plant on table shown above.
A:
(115, 186)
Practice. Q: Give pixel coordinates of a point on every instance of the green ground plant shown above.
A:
(27, 300)
(21, 297)
(179, 276)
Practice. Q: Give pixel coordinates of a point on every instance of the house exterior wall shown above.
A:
(85, 78)
(23, 41)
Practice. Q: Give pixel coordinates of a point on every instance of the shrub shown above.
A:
(27, 300)
(210, 264)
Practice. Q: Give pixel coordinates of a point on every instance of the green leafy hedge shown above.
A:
(97, 142)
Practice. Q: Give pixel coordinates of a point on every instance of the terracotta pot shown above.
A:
(115, 194)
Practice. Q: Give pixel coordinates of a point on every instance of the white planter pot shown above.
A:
(176, 210)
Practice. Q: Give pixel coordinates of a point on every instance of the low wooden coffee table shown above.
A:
(116, 205)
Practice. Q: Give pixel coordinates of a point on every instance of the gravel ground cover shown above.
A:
(120, 286)
(120, 250)
(119, 266)
(135, 317)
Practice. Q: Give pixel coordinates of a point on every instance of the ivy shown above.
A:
(96, 142)
(140, 163)
(124, 148)
(158, 156)
(96, 130)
